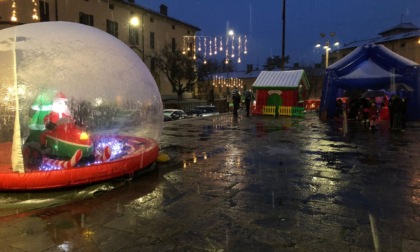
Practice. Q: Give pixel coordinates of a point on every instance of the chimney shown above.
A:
(164, 10)
(249, 68)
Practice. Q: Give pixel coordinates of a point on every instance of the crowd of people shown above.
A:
(369, 111)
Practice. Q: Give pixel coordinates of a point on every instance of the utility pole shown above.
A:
(283, 47)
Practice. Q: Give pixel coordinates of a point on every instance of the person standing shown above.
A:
(403, 112)
(397, 112)
(236, 99)
(391, 110)
(248, 98)
(372, 116)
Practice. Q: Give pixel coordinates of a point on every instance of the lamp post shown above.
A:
(327, 45)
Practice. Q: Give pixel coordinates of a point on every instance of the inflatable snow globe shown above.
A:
(77, 106)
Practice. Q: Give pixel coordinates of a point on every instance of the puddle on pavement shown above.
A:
(14, 203)
(18, 203)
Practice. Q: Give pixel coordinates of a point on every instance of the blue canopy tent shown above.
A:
(372, 67)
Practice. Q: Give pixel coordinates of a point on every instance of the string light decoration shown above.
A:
(210, 52)
(35, 11)
(215, 46)
(239, 49)
(205, 51)
(234, 46)
(232, 82)
(13, 18)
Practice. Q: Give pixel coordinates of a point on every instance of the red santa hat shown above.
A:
(60, 96)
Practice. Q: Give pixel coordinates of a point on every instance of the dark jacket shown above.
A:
(236, 96)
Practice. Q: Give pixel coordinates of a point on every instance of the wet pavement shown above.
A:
(240, 184)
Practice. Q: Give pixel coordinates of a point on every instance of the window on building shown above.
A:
(173, 44)
(151, 20)
(133, 35)
(85, 19)
(44, 11)
(152, 40)
(403, 44)
(111, 6)
(173, 27)
(112, 28)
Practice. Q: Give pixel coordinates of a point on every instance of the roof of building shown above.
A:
(405, 31)
(400, 28)
(379, 40)
(158, 13)
(281, 79)
(238, 74)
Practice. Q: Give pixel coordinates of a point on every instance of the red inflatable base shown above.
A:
(139, 153)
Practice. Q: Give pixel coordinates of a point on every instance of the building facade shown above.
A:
(145, 31)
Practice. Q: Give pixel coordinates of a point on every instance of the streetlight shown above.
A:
(134, 21)
(134, 24)
(241, 46)
(327, 46)
(231, 36)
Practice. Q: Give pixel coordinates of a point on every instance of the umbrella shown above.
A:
(373, 93)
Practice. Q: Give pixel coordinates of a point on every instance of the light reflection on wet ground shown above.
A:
(246, 184)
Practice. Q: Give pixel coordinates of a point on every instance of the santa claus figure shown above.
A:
(60, 113)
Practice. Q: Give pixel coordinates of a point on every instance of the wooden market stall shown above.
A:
(280, 92)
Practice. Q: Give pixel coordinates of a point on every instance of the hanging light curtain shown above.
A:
(35, 10)
(13, 18)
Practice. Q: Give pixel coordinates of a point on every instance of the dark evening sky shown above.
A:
(261, 22)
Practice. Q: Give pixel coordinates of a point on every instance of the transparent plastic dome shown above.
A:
(81, 73)
(73, 97)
